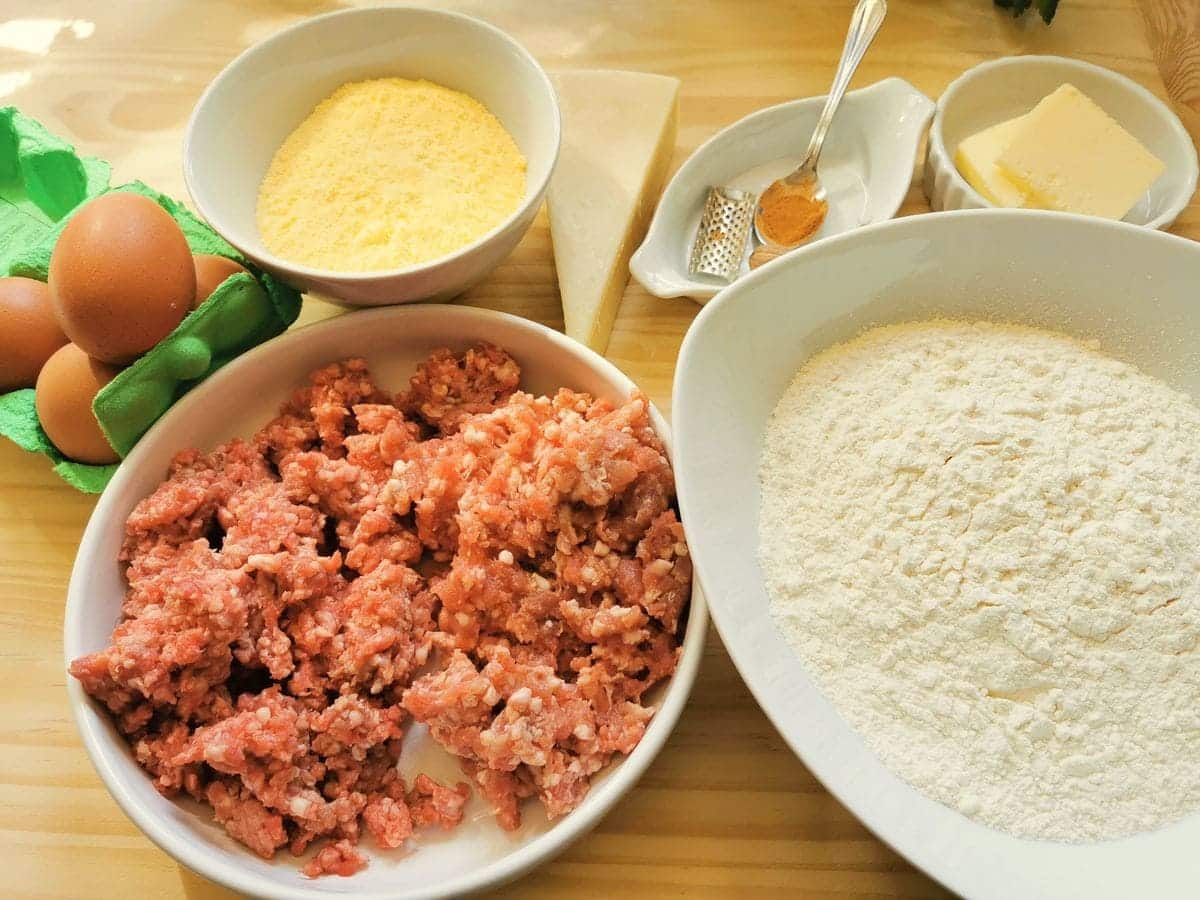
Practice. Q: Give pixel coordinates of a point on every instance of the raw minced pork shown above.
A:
(504, 568)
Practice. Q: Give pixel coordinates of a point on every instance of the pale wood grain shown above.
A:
(1173, 29)
(726, 810)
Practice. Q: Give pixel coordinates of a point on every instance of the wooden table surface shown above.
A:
(726, 809)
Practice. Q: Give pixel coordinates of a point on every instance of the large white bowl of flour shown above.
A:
(964, 579)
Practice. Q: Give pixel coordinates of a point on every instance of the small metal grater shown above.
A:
(720, 245)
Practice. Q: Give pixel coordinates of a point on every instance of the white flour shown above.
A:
(984, 543)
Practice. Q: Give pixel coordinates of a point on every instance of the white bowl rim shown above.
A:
(784, 725)
(91, 722)
(269, 259)
(937, 142)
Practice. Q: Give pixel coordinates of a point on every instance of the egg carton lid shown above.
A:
(41, 180)
(36, 201)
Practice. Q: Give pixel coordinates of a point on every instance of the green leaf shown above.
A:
(1046, 8)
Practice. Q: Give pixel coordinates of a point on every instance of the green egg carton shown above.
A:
(42, 182)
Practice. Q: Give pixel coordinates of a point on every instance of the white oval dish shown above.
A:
(1006, 88)
(238, 400)
(1131, 288)
(867, 167)
(259, 99)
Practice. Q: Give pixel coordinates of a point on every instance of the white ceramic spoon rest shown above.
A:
(867, 166)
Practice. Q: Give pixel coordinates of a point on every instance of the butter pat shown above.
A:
(618, 137)
(1068, 154)
(976, 160)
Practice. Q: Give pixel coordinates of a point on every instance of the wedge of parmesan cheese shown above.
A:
(618, 137)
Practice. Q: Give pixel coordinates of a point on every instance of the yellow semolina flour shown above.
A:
(389, 173)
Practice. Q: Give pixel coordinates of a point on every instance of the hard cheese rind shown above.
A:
(618, 137)
(1070, 155)
(242, 312)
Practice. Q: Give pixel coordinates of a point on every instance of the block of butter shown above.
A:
(976, 160)
(1065, 154)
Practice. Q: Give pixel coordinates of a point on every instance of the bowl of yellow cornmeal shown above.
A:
(378, 155)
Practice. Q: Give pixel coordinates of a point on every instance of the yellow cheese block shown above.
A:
(618, 137)
(1070, 155)
(976, 160)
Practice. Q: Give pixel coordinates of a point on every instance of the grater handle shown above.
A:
(864, 25)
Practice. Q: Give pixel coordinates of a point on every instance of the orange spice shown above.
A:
(789, 214)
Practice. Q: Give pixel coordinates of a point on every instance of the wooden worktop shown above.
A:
(726, 809)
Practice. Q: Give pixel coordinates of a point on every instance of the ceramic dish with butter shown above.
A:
(867, 167)
(1127, 289)
(477, 852)
(1002, 89)
(259, 99)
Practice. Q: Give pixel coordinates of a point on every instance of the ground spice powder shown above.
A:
(787, 215)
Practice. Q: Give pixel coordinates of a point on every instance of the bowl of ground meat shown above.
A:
(398, 604)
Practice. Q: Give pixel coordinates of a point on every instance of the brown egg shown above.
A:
(121, 277)
(29, 333)
(211, 271)
(68, 384)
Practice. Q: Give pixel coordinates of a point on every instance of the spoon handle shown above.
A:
(864, 25)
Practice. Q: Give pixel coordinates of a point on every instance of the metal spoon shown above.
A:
(802, 189)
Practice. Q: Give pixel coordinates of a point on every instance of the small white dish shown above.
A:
(477, 854)
(258, 100)
(1132, 289)
(1006, 88)
(867, 167)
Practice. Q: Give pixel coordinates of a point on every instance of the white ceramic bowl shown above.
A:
(1005, 88)
(1131, 288)
(260, 97)
(867, 166)
(475, 855)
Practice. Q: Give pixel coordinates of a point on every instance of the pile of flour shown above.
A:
(984, 543)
